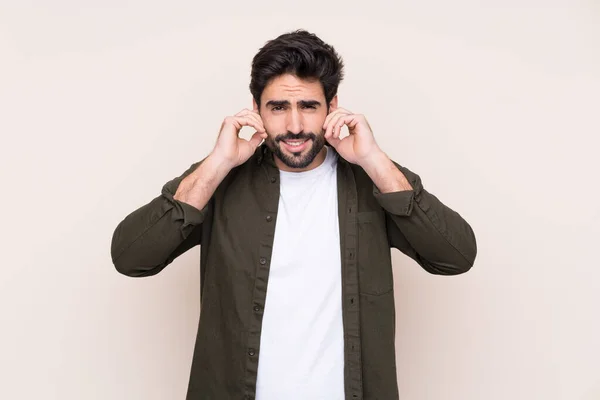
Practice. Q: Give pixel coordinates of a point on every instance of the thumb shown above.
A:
(256, 139)
(334, 141)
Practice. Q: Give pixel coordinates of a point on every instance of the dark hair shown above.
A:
(300, 53)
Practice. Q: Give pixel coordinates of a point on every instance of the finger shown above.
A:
(239, 122)
(254, 115)
(334, 141)
(333, 114)
(332, 120)
(251, 114)
(330, 116)
(336, 126)
(349, 120)
(333, 124)
(327, 126)
(255, 140)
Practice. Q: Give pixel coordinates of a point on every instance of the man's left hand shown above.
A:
(359, 146)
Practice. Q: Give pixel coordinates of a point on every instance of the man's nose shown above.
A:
(294, 123)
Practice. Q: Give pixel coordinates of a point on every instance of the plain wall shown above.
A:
(494, 104)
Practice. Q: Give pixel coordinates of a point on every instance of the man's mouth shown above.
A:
(295, 145)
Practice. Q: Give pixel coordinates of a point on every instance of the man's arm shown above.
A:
(151, 237)
(418, 224)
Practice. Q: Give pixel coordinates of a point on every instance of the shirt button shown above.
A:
(263, 261)
(251, 352)
(273, 179)
(269, 218)
(256, 308)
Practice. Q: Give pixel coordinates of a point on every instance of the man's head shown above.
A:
(294, 83)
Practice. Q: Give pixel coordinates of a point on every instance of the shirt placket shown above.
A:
(347, 208)
(269, 195)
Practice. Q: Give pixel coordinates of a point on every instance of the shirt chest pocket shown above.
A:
(373, 255)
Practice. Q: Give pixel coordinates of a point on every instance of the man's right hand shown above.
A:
(232, 150)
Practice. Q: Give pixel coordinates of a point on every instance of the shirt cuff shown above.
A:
(402, 202)
(182, 213)
(397, 203)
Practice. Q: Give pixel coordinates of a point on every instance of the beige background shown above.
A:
(496, 106)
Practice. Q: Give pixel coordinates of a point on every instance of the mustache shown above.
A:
(295, 136)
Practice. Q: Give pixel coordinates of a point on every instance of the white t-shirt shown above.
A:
(302, 340)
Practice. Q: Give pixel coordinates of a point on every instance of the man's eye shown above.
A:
(277, 108)
(311, 107)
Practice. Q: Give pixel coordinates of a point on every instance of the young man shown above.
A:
(295, 235)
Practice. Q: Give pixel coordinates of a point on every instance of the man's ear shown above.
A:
(254, 105)
(333, 104)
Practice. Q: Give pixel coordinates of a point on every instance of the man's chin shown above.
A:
(298, 160)
(294, 160)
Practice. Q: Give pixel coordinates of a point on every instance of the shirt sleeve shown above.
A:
(151, 237)
(422, 227)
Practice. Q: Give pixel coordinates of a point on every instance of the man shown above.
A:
(295, 235)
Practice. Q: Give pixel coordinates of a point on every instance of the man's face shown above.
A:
(293, 113)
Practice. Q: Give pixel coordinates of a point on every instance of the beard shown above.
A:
(299, 159)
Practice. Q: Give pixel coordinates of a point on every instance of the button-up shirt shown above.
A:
(236, 230)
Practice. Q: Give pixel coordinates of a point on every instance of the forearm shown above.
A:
(384, 174)
(420, 225)
(152, 236)
(197, 188)
(430, 232)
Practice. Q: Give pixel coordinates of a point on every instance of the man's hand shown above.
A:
(360, 148)
(232, 150)
(360, 145)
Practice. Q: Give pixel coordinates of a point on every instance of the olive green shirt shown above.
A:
(236, 231)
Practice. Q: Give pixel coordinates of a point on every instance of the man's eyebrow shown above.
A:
(277, 103)
(309, 103)
(304, 103)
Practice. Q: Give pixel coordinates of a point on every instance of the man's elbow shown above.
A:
(462, 261)
(462, 267)
(128, 267)
(129, 260)
(439, 268)
(459, 265)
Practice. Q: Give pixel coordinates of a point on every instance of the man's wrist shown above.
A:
(193, 189)
(218, 165)
(384, 173)
(373, 160)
